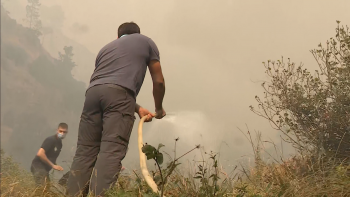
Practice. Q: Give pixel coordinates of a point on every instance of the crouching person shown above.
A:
(45, 159)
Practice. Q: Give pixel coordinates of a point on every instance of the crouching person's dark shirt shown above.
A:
(52, 146)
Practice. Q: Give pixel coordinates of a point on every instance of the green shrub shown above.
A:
(312, 110)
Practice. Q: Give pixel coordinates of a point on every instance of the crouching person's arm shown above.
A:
(41, 154)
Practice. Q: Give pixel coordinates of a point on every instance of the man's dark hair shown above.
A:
(128, 28)
(63, 125)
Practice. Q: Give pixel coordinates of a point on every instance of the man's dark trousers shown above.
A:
(41, 176)
(104, 132)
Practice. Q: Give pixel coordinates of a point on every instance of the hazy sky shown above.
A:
(211, 53)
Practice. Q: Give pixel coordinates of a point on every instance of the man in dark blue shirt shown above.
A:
(110, 103)
(45, 159)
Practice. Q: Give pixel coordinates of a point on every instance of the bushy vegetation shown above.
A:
(312, 109)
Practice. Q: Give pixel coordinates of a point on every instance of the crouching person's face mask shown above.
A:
(61, 135)
(62, 132)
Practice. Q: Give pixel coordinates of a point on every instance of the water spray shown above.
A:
(170, 117)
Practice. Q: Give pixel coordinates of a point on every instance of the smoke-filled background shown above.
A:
(211, 55)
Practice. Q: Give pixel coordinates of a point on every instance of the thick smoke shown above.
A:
(211, 54)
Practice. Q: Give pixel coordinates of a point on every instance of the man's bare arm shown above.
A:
(41, 154)
(158, 86)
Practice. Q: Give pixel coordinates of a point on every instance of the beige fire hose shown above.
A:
(143, 165)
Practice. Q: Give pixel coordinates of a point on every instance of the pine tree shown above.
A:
(33, 16)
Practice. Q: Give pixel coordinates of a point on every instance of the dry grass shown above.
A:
(298, 177)
(18, 182)
(301, 175)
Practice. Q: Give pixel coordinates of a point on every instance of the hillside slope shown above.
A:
(53, 39)
(37, 92)
(82, 56)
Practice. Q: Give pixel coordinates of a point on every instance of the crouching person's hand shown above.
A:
(57, 167)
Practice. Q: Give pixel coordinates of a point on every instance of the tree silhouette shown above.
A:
(33, 16)
(66, 58)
